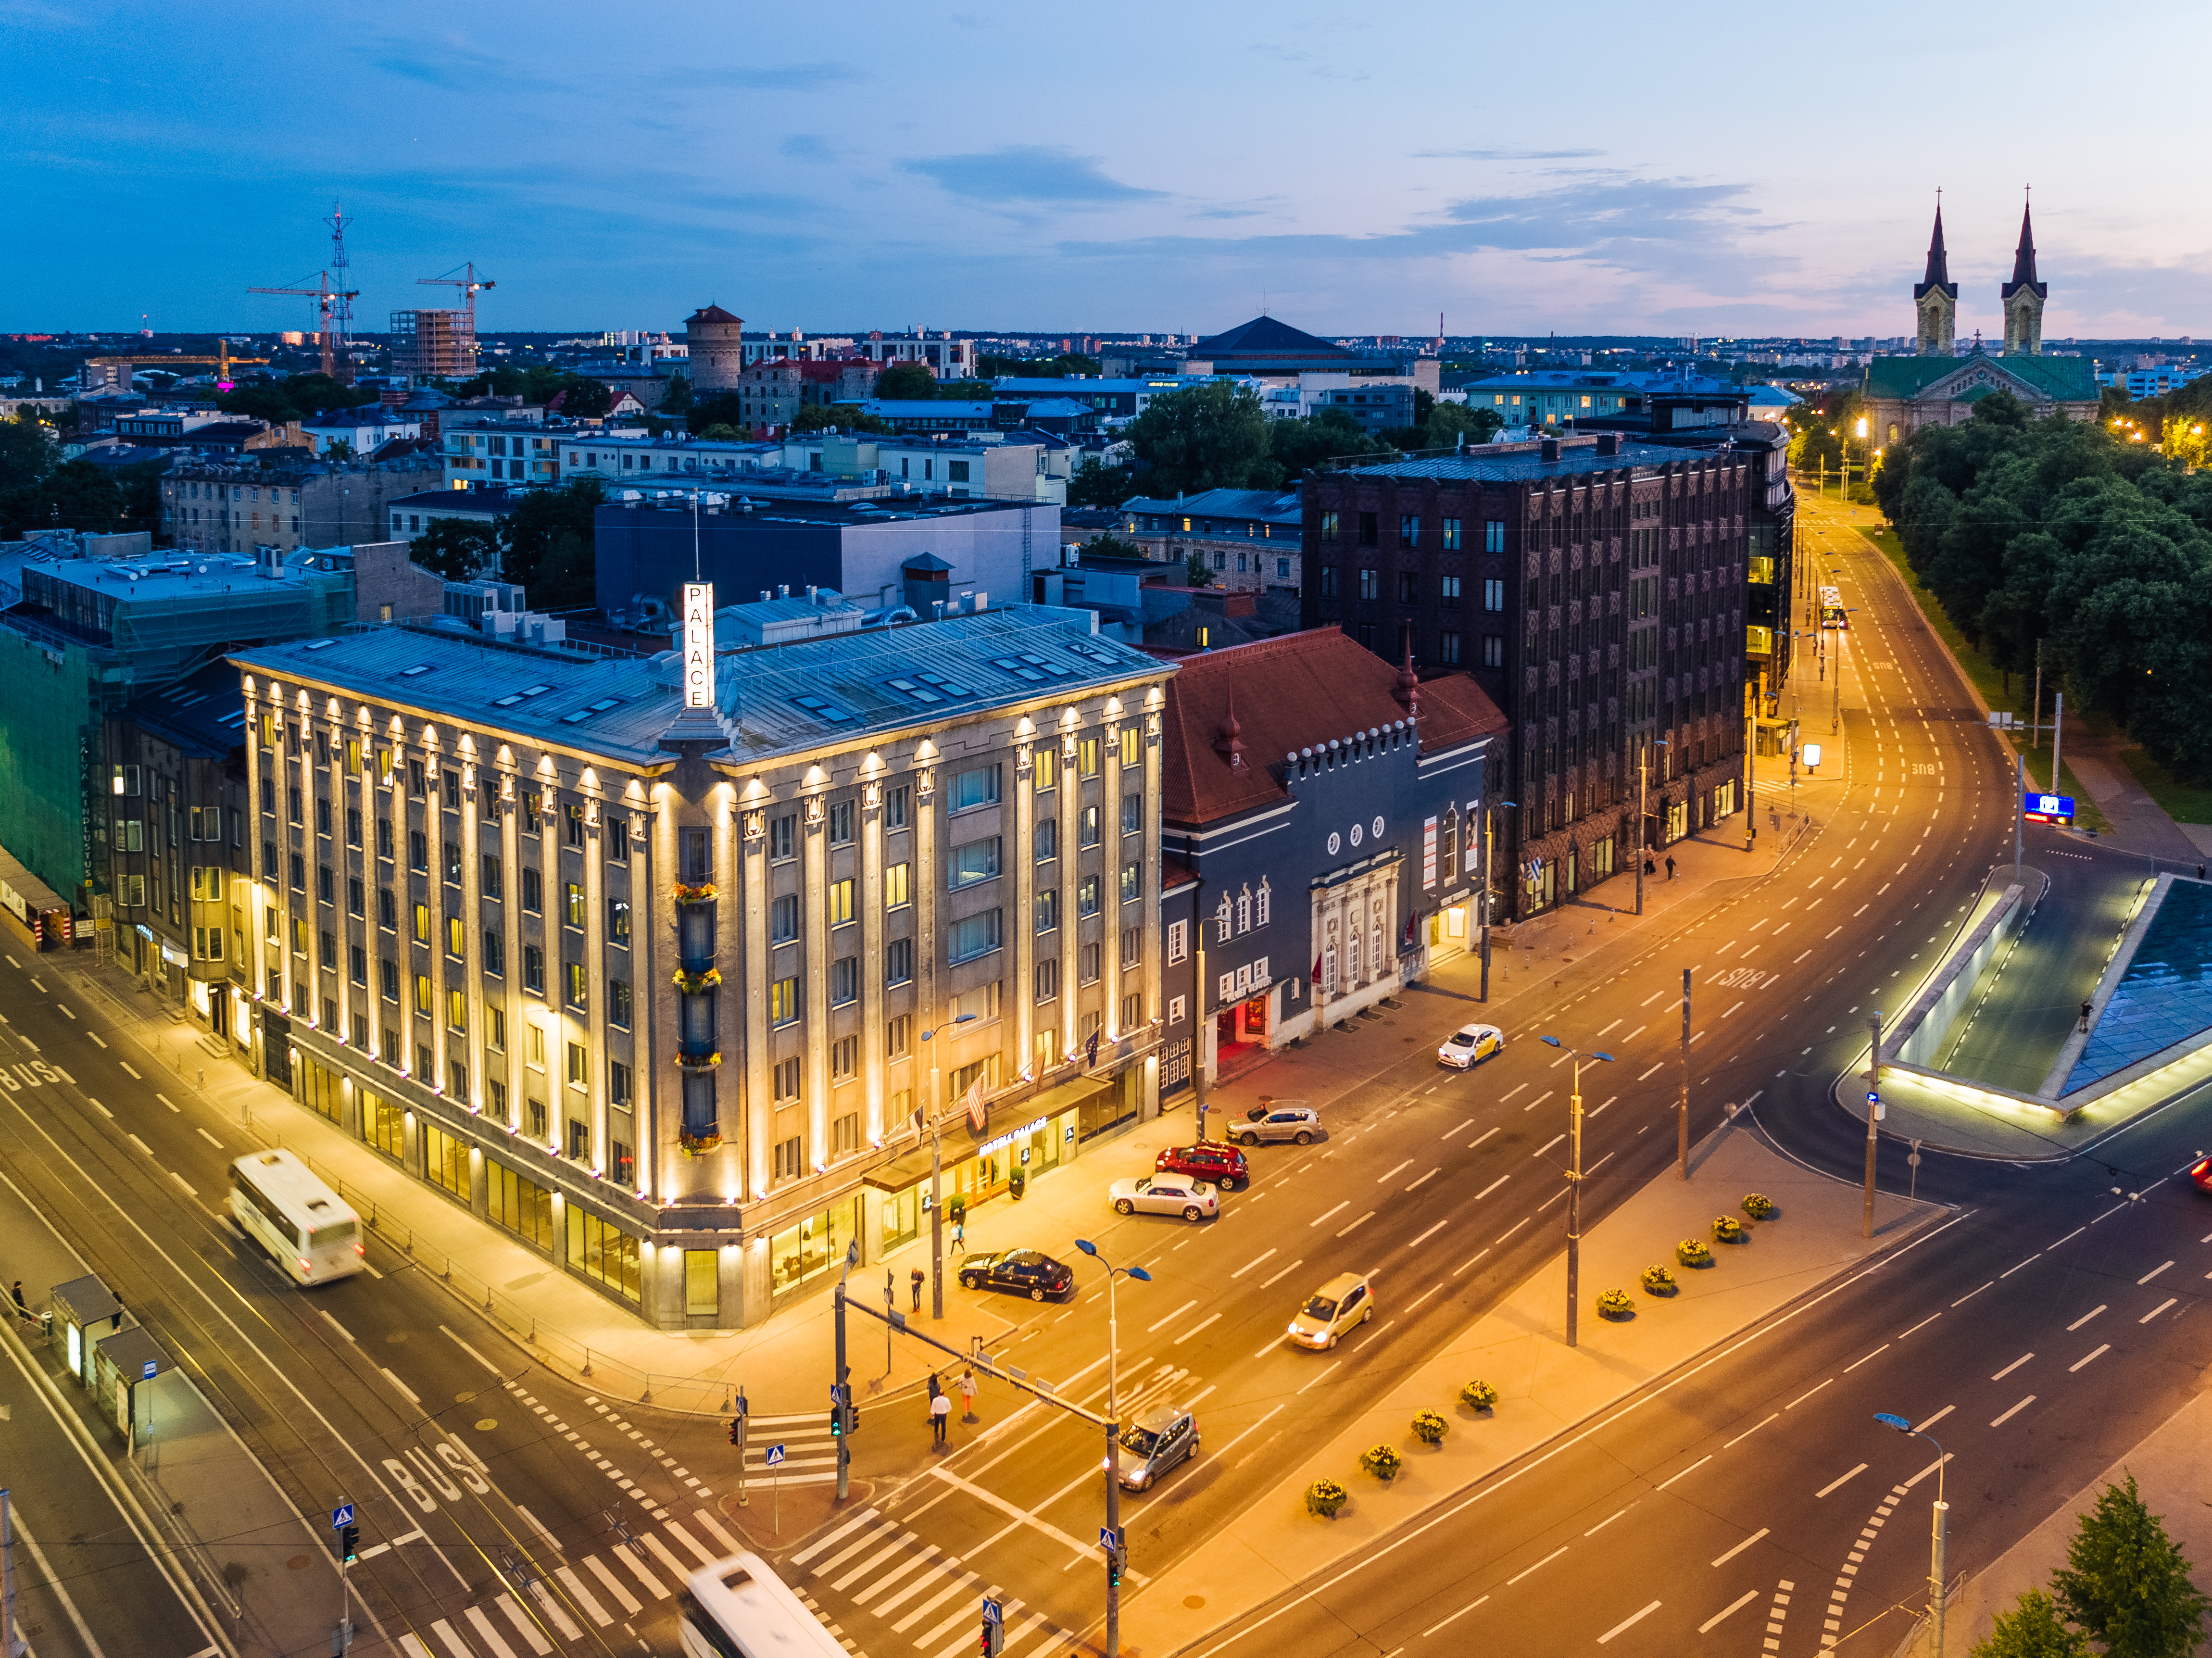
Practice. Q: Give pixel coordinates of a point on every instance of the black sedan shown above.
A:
(1022, 1272)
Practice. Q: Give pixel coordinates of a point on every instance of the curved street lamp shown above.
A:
(1113, 1437)
(936, 1173)
(1575, 1178)
(1939, 1532)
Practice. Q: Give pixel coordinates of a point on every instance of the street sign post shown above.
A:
(774, 1457)
(2049, 809)
(994, 1629)
(341, 1523)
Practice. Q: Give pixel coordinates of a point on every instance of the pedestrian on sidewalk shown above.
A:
(1650, 868)
(967, 1386)
(21, 1311)
(916, 1279)
(940, 1412)
(1670, 865)
(960, 1234)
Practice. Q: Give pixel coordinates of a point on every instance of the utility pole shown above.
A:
(1682, 1114)
(2035, 709)
(1198, 1081)
(2020, 811)
(1642, 791)
(839, 1383)
(1574, 1180)
(1874, 1114)
(10, 1646)
(1758, 696)
(2057, 737)
(1482, 901)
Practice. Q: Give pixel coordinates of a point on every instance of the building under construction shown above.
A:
(433, 344)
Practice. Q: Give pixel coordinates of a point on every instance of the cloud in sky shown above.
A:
(1505, 155)
(1028, 173)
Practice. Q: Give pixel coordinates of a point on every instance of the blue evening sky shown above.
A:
(1597, 166)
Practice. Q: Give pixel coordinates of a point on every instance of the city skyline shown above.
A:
(1003, 170)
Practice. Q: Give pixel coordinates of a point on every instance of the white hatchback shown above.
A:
(1164, 1195)
(1470, 1044)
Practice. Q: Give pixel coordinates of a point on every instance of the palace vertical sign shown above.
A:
(698, 644)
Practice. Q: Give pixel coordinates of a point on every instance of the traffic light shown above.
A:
(1114, 1560)
(837, 1421)
(994, 1637)
(349, 1544)
(737, 1430)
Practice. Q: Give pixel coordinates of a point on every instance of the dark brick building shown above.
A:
(1596, 589)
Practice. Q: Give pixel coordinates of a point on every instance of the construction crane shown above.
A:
(469, 283)
(328, 327)
(440, 345)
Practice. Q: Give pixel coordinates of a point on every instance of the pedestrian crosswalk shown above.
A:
(913, 1595)
(633, 1577)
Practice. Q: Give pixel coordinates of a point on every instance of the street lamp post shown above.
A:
(936, 1176)
(1643, 811)
(1113, 1438)
(1874, 1115)
(1575, 1180)
(1939, 1534)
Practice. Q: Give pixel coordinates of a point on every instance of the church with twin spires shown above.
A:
(1937, 385)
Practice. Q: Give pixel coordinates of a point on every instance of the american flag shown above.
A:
(978, 1112)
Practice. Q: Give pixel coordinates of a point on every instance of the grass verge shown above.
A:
(2185, 803)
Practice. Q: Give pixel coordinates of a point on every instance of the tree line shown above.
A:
(2074, 536)
(2126, 1586)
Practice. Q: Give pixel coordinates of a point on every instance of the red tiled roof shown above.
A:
(1174, 873)
(1286, 694)
(712, 314)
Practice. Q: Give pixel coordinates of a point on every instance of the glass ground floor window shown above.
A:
(902, 1217)
(519, 1202)
(322, 1089)
(601, 1250)
(702, 1285)
(445, 1161)
(383, 1124)
(805, 1251)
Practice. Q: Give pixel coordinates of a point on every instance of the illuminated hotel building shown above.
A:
(659, 990)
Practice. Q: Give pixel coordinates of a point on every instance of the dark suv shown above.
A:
(1208, 1160)
(1023, 1272)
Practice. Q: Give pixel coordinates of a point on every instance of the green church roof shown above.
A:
(2058, 379)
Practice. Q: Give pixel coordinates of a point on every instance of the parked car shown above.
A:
(1300, 1123)
(1164, 1195)
(1154, 1444)
(1470, 1044)
(1022, 1272)
(1334, 1311)
(1207, 1160)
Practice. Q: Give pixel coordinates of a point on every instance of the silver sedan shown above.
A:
(1164, 1195)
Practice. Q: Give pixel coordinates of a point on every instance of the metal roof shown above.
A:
(1521, 462)
(775, 700)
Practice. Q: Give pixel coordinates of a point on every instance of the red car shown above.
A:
(2200, 1171)
(1207, 1160)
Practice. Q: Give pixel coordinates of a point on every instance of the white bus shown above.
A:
(306, 1228)
(1832, 608)
(739, 1608)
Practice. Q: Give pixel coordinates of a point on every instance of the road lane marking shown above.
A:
(1318, 1219)
(1321, 1376)
(628, 1602)
(1516, 1089)
(1545, 1561)
(1747, 1434)
(94, 1034)
(166, 1100)
(191, 1190)
(102, 1109)
(845, 1530)
(405, 1392)
(2079, 1363)
(1749, 1595)
(472, 1351)
(1171, 1318)
(2010, 1368)
(1194, 1330)
(1270, 1282)
(2009, 1270)
(1876, 1353)
(1647, 1000)
(1608, 1520)
(128, 1071)
(1458, 1129)
(1548, 1146)
(1971, 1294)
(1935, 1419)
(1539, 1100)
(1923, 1325)
(1692, 1468)
(1249, 1265)
(1613, 1026)
(1631, 1619)
(1729, 1015)
(209, 1139)
(488, 1632)
(1832, 1484)
(1478, 1139)
(1461, 1612)
(1734, 1551)
(1470, 1261)
(1426, 1179)
(2151, 1274)
(140, 1143)
(1426, 1236)
(1408, 1163)
(2015, 1411)
(2156, 1311)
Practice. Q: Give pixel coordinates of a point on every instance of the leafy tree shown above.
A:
(835, 417)
(460, 548)
(74, 496)
(676, 399)
(993, 366)
(1318, 442)
(1094, 484)
(549, 543)
(716, 408)
(1196, 572)
(903, 381)
(1450, 424)
(1210, 436)
(297, 397)
(2127, 1584)
(2034, 1628)
(722, 433)
(587, 399)
(26, 452)
(1112, 546)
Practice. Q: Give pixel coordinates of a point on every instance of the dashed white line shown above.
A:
(1632, 1619)
(2085, 1318)
(2010, 1368)
(128, 1071)
(2080, 1364)
(1840, 1479)
(2156, 1311)
(1749, 1595)
(2015, 1411)
(1737, 1550)
(1545, 1561)
(1318, 1219)
(2153, 1273)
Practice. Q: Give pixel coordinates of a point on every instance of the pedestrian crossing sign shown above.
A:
(341, 1515)
(774, 1455)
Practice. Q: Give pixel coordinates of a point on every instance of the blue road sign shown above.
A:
(2048, 809)
(147, 1375)
(341, 1515)
(774, 1455)
(1109, 1539)
(991, 1614)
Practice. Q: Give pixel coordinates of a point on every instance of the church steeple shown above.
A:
(1936, 296)
(2023, 297)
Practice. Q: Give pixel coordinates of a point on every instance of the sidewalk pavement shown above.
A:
(1544, 1389)
(2139, 824)
(2168, 1466)
(193, 1483)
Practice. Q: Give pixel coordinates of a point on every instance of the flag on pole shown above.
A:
(978, 1112)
